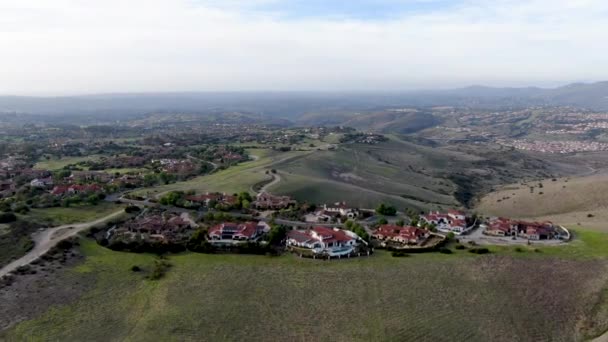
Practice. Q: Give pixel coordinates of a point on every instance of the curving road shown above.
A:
(276, 178)
(48, 238)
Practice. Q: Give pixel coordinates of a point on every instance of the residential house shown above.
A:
(266, 201)
(176, 166)
(248, 231)
(405, 235)
(528, 230)
(322, 240)
(325, 216)
(90, 176)
(203, 199)
(42, 182)
(536, 230)
(34, 173)
(159, 227)
(75, 189)
(454, 221)
(342, 209)
(128, 181)
(206, 199)
(501, 227)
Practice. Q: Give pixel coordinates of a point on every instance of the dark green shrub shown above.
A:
(397, 254)
(132, 209)
(65, 244)
(480, 250)
(160, 268)
(7, 218)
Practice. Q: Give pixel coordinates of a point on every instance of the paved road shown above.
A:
(215, 166)
(276, 178)
(46, 239)
(601, 338)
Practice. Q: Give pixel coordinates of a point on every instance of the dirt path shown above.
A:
(46, 239)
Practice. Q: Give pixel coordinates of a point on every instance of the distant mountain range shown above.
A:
(304, 107)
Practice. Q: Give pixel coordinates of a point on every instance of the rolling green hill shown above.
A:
(405, 174)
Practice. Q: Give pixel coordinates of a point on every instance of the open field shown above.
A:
(232, 180)
(501, 297)
(576, 201)
(60, 215)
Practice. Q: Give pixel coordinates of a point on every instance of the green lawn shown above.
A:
(126, 170)
(57, 164)
(77, 214)
(259, 298)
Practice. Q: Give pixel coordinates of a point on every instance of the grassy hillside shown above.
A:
(360, 175)
(233, 297)
(56, 164)
(582, 200)
(405, 173)
(393, 122)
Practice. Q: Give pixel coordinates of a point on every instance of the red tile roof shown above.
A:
(408, 232)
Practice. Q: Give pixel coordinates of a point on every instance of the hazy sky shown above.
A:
(89, 46)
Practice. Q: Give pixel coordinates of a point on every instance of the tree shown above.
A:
(400, 223)
(244, 196)
(245, 204)
(172, 198)
(386, 210)
(450, 236)
(360, 231)
(382, 221)
(277, 234)
(93, 199)
(150, 179)
(244, 200)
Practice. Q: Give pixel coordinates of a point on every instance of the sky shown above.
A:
(65, 47)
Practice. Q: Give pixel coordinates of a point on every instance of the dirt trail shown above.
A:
(46, 239)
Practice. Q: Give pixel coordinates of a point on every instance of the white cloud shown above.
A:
(81, 46)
